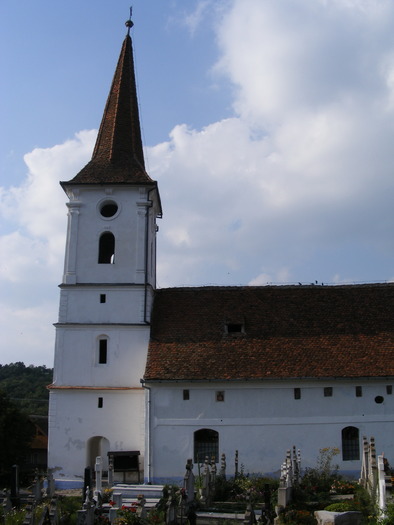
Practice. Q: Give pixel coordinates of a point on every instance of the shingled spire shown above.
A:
(118, 155)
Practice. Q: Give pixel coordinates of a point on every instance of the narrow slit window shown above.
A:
(103, 351)
(100, 402)
(389, 390)
(106, 248)
(103, 298)
(186, 395)
(359, 391)
(297, 393)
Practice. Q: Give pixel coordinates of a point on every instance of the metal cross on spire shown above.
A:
(129, 23)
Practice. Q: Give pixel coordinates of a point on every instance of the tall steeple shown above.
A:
(118, 154)
(107, 292)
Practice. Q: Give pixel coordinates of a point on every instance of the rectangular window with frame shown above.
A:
(328, 391)
(389, 390)
(186, 395)
(359, 391)
(103, 298)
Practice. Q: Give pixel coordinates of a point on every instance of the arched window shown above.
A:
(206, 444)
(106, 248)
(350, 444)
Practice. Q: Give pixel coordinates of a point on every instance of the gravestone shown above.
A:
(188, 501)
(250, 517)
(87, 514)
(37, 488)
(87, 482)
(50, 484)
(172, 508)
(223, 465)
(98, 467)
(236, 464)
(189, 481)
(206, 483)
(141, 510)
(7, 505)
(15, 486)
(110, 471)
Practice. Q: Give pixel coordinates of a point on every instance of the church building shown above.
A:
(147, 378)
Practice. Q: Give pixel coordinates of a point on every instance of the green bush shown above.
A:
(343, 506)
(389, 519)
(15, 517)
(67, 508)
(323, 476)
(244, 487)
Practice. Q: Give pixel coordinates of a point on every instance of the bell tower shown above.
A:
(102, 335)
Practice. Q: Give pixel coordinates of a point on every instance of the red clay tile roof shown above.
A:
(118, 155)
(289, 332)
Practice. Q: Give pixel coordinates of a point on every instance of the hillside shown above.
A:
(26, 386)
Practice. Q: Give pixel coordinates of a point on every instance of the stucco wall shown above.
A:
(76, 418)
(263, 421)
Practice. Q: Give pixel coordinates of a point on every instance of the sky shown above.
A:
(268, 124)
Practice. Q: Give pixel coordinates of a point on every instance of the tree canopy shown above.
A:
(26, 386)
(16, 433)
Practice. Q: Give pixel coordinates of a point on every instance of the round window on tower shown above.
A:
(108, 209)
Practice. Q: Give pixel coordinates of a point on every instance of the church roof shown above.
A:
(272, 332)
(118, 154)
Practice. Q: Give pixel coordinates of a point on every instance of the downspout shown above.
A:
(149, 205)
(147, 459)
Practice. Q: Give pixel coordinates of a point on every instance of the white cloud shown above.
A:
(29, 333)
(194, 19)
(33, 249)
(302, 54)
(22, 258)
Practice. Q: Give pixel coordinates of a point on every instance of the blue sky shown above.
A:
(58, 59)
(268, 124)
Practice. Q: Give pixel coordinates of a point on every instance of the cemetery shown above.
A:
(211, 495)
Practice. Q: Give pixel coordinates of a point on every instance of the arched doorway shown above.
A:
(97, 446)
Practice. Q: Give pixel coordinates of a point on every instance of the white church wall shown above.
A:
(121, 304)
(76, 419)
(79, 365)
(263, 421)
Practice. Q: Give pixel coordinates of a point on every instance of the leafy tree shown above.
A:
(16, 433)
(26, 386)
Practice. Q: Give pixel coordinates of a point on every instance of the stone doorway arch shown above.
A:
(97, 446)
